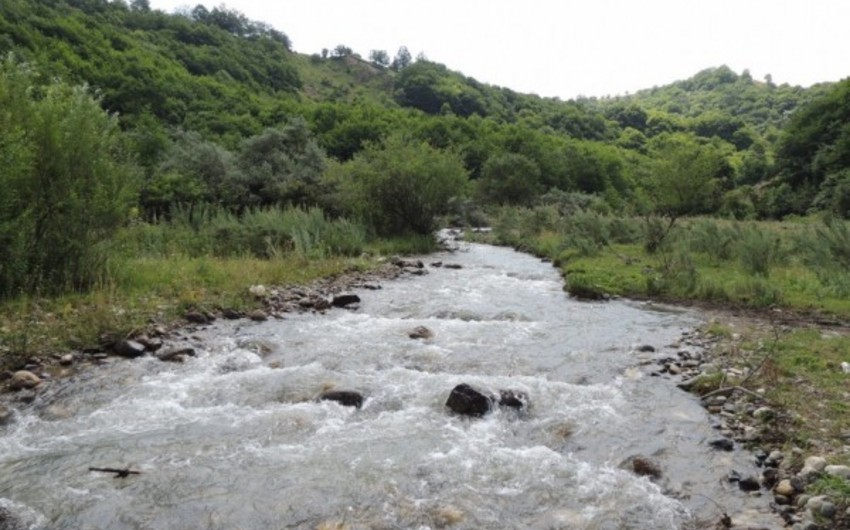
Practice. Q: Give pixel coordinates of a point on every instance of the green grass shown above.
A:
(742, 264)
(144, 290)
(206, 260)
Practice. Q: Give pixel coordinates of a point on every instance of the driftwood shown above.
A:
(119, 473)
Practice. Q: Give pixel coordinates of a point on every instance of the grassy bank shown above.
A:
(203, 260)
(801, 266)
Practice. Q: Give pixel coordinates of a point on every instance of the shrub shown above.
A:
(65, 180)
(758, 250)
(710, 238)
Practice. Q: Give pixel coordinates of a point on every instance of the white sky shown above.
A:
(569, 48)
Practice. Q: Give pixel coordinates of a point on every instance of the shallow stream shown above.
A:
(235, 438)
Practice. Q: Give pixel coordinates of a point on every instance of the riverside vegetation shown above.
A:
(154, 163)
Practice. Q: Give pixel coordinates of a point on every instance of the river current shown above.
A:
(235, 438)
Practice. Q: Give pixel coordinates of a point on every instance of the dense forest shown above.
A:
(114, 113)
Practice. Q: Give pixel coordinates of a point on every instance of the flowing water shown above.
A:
(235, 438)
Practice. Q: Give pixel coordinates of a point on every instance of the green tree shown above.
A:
(509, 178)
(379, 57)
(684, 180)
(402, 59)
(281, 166)
(399, 186)
(66, 183)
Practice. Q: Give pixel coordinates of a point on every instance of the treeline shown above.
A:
(206, 109)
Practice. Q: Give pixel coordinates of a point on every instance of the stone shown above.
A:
(815, 503)
(258, 315)
(347, 398)
(514, 399)
(420, 332)
(196, 317)
(838, 471)
(232, 314)
(129, 348)
(645, 467)
(344, 300)
(321, 304)
(763, 413)
(781, 500)
(770, 477)
(150, 344)
(828, 510)
(645, 348)
(67, 359)
(467, 401)
(785, 488)
(812, 466)
(724, 444)
(452, 266)
(749, 484)
(23, 379)
(258, 291)
(176, 356)
(774, 459)
(437, 264)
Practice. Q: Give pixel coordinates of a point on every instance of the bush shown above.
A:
(400, 186)
(65, 180)
(826, 249)
(710, 238)
(261, 233)
(758, 250)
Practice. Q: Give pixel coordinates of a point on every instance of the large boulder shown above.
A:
(467, 401)
(347, 398)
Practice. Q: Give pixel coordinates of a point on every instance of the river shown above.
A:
(235, 438)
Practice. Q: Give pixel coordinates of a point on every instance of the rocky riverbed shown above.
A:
(723, 372)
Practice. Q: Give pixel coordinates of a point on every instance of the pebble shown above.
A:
(828, 510)
(785, 488)
(838, 471)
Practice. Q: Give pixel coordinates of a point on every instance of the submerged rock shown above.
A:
(420, 332)
(514, 399)
(644, 466)
(10, 520)
(176, 356)
(347, 398)
(467, 401)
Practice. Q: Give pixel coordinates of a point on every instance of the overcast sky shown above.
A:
(569, 48)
